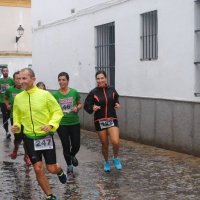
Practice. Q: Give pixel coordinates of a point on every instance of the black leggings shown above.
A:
(5, 115)
(18, 136)
(70, 139)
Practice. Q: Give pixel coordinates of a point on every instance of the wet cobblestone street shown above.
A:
(148, 173)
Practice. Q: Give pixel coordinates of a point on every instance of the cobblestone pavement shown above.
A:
(148, 173)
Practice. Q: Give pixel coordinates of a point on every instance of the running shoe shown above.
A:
(74, 161)
(62, 177)
(8, 135)
(117, 163)
(107, 166)
(27, 160)
(13, 155)
(51, 197)
(70, 170)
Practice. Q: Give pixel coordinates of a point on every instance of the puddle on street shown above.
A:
(18, 183)
(148, 173)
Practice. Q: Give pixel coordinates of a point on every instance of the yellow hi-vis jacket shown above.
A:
(35, 108)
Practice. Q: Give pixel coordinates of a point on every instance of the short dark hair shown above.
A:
(4, 67)
(17, 72)
(30, 71)
(64, 74)
(100, 72)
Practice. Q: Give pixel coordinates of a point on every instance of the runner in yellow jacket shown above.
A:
(39, 114)
(35, 108)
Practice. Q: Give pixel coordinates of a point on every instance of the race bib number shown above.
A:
(43, 143)
(4, 87)
(107, 123)
(66, 104)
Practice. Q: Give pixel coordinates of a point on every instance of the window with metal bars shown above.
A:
(149, 36)
(105, 50)
(197, 32)
(197, 46)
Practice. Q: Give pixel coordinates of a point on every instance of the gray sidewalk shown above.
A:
(148, 173)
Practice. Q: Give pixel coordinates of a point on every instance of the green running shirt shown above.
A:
(67, 102)
(5, 84)
(10, 93)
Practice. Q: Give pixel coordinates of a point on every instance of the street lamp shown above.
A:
(20, 31)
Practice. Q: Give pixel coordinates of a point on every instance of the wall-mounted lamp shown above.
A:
(20, 31)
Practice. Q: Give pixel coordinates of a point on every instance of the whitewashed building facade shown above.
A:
(15, 55)
(150, 50)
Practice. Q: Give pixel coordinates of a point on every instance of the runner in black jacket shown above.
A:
(103, 100)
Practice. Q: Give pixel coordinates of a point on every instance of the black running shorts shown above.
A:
(98, 127)
(36, 156)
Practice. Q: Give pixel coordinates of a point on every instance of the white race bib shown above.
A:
(66, 104)
(106, 123)
(4, 87)
(43, 143)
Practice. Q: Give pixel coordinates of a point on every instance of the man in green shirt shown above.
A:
(5, 83)
(10, 94)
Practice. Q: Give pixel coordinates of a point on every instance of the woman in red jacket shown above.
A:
(103, 101)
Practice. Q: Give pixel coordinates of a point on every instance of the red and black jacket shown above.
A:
(106, 97)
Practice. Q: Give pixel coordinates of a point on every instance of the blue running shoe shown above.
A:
(117, 163)
(62, 177)
(107, 166)
(70, 170)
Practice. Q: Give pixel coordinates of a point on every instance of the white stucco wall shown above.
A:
(55, 10)
(69, 45)
(10, 19)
